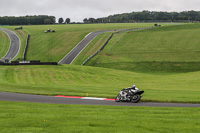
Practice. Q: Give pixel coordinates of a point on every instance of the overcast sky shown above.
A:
(77, 10)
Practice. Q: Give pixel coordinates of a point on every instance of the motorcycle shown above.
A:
(131, 94)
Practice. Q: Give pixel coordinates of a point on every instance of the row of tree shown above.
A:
(26, 20)
(61, 20)
(148, 16)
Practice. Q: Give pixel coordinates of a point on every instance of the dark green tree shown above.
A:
(85, 20)
(67, 21)
(91, 20)
(25, 20)
(60, 20)
(47, 21)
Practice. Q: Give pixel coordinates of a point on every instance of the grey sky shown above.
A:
(77, 10)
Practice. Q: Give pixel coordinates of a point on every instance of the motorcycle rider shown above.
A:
(128, 91)
(133, 88)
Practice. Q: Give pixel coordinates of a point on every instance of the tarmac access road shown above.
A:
(14, 44)
(5, 96)
(69, 58)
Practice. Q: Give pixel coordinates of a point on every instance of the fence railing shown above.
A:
(109, 40)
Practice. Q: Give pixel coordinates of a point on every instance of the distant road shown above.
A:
(5, 96)
(14, 44)
(68, 59)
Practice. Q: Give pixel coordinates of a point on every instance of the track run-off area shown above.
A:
(14, 45)
(16, 97)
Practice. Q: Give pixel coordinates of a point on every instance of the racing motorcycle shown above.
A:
(131, 94)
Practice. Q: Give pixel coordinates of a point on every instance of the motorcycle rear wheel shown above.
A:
(136, 98)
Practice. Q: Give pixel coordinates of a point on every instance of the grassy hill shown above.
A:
(4, 44)
(171, 48)
(99, 82)
(163, 62)
(54, 46)
(159, 67)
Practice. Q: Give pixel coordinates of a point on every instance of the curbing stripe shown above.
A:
(86, 98)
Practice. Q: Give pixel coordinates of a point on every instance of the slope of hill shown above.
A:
(99, 82)
(54, 46)
(126, 54)
(4, 44)
(171, 48)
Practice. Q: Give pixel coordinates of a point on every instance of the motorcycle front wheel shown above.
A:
(136, 98)
(117, 99)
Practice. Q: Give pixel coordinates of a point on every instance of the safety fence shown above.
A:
(109, 40)
(26, 47)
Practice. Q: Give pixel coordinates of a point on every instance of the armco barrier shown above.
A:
(26, 47)
(28, 63)
(109, 40)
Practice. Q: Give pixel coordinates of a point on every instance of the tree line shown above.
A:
(148, 16)
(27, 20)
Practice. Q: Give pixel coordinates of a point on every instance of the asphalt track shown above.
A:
(14, 44)
(68, 59)
(5, 96)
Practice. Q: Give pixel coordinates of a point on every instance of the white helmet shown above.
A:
(133, 86)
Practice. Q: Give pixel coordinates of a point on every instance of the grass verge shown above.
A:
(32, 117)
(4, 44)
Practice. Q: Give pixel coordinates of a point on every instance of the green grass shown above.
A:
(169, 79)
(31, 117)
(50, 47)
(4, 44)
(170, 48)
(99, 82)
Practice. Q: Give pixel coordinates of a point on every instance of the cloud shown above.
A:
(77, 10)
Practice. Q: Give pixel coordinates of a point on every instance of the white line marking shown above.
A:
(93, 98)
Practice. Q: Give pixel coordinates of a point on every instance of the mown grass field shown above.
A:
(30, 117)
(4, 44)
(52, 47)
(168, 71)
(99, 82)
(170, 48)
(164, 78)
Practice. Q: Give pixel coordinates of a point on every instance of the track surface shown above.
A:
(4, 96)
(14, 44)
(68, 59)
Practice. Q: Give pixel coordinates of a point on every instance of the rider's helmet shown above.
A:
(133, 86)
